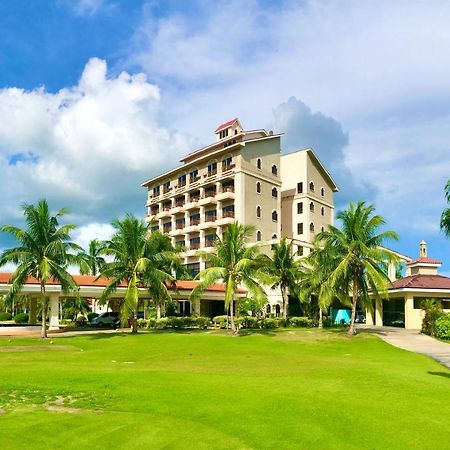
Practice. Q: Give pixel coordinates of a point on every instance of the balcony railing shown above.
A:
(212, 172)
(180, 203)
(180, 225)
(153, 212)
(194, 199)
(166, 190)
(210, 242)
(194, 179)
(167, 229)
(211, 193)
(194, 222)
(211, 218)
(166, 207)
(194, 246)
(227, 188)
(228, 214)
(227, 167)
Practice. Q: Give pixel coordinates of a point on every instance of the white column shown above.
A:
(369, 317)
(391, 271)
(379, 313)
(54, 312)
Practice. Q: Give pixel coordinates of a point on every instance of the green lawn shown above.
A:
(203, 390)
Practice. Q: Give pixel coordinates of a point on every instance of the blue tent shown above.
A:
(339, 315)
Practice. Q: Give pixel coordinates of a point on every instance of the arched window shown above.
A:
(268, 309)
(258, 235)
(311, 186)
(311, 227)
(277, 310)
(275, 169)
(322, 229)
(258, 212)
(274, 216)
(274, 236)
(258, 187)
(258, 163)
(274, 192)
(311, 206)
(322, 211)
(322, 192)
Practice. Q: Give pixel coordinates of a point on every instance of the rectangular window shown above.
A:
(300, 208)
(155, 191)
(182, 180)
(300, 228)
(193, 269)
(166, 187)
(299, 188)
(193, 176)
(212, 169)
(227, 164)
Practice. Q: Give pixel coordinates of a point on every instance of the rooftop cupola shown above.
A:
(423, 265)
(423, 249)
(228, 129)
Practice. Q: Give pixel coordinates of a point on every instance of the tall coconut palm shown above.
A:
(445, 217)
(139, 259)
(234, 263)
(315, 270)
(359, 254)
(93, 258)
(284, 269)
(45, 251)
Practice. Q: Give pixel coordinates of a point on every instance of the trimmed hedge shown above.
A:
(174, 322)
(443, 327)
(5, 316)
(21, 318)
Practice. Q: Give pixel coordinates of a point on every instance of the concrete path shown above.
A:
(414, 341)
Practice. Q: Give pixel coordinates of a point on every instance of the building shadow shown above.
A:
(441, 374)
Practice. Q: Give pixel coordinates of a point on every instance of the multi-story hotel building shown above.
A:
(241, 177)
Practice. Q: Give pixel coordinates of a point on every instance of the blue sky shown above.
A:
(98, 95)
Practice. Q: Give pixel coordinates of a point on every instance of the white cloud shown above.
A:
(91, 145)
(86, 233)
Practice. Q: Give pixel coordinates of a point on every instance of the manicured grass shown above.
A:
(203, 390)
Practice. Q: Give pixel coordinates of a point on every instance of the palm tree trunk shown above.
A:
(231, 309)
(44, 313)
(352, 329)
(285, 300)
(320, 317)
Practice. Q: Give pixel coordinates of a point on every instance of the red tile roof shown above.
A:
(226, 125)
(423, 260)
(89, 281)
(422, 282)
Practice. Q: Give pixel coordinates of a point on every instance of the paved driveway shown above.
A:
(413, 341)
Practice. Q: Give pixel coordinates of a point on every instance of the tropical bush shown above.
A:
(220, 321)
(303, 322)
(443, 327)
(249, 322)
(5, 316)
(21, 318)
(268, 323)
(178, 322)
(91, 315)
(81, 321)
(432, 313)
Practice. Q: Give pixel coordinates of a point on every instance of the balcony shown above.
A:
(210, 242)
(208, 198)
(227, 218)
(211, 173)
(178, 208)
(228, 167)
(226, 193)
(208, 222)
(194, 245)
(193, 180)
(167, 230)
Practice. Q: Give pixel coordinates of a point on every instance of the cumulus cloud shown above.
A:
(87, 147)
(86, 233)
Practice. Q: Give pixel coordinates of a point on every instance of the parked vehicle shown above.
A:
(106, 319)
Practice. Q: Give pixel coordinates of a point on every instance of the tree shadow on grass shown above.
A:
(441, 374)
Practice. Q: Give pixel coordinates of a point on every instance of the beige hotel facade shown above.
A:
(242, 177)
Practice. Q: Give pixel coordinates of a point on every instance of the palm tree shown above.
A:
(445, 217)
(44, 252)
(359, 254)
(315, 271)
(94, 260)
(284, 269)
(235, 263)
(142, 261)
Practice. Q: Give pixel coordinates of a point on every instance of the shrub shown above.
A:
(162, 323)
(250, 322)
(303, 322)
(151, 322)
(268, 323)
(171, 309)
(432, 314)
(81, 321)
(91, 315)
(5, 316)
(202, 322)
(220, 321)
(142, 323)
(443, 327)
(327, 322)
(21, 318)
